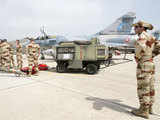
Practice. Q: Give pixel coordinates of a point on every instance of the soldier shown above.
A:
(0, 55)
(5, 55)
(19, 54)
(5, 59)
(12, 65)
(145, 69)
(33, 52)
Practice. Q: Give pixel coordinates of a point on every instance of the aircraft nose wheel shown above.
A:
(61, 68)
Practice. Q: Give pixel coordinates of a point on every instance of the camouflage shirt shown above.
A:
(11, 50)
(144, 47)
(19, 48)
(33, 49)
(5, 49)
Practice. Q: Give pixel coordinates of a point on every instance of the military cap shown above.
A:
(143, 24)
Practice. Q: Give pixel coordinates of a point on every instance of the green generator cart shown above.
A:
(84, 55)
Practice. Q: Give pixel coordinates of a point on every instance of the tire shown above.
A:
(61, 68)
(98, 67)
(42, 58)
(91, 69)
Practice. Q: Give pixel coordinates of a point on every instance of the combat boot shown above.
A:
(151, 110)
(36, 74)
(37, 71)
(143, 112)
(139, 109)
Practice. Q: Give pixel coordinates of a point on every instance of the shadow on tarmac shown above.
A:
(70, 71)
(114, 104)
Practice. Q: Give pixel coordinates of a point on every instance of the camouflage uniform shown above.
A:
(33, 51)
(0, 59)
(5, 55)
(0, 55)
(19, 56)
(145, 70)
(12, 59)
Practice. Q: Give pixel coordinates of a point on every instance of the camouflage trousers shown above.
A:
(145, 83)
(33, 61)
(12, 62)
(0, 61)
(19, 61)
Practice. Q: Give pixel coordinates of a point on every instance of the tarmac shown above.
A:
(108, 95)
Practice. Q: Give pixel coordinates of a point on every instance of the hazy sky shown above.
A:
(21, 18)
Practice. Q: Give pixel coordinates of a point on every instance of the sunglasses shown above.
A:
(138, 26)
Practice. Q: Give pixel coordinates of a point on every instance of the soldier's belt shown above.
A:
(150, 60)
(151, 71)
(147, 60)
(31, 54)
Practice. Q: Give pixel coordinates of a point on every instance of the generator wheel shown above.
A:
(91, 69)
(61, 68)
(42, 58)
(98, 67)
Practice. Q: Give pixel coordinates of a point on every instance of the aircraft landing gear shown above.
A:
(42, 56)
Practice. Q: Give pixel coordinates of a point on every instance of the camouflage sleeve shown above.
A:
(20, 48)
(12, 50)
(139, 49)
(151, 41)
(9, 48)
(27, 51)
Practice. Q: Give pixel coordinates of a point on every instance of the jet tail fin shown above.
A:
(121, 26)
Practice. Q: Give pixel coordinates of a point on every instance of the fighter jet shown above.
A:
(156, 34)
(45, 41)
(119, 34)
(48, 41)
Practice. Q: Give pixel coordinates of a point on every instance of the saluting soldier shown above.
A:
(19, 54)
(145, 69)
(33, 52)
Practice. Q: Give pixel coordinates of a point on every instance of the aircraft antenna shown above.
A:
(43, 32)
